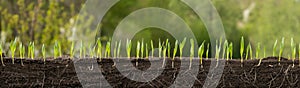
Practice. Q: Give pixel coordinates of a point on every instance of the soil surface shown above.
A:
(62, 73)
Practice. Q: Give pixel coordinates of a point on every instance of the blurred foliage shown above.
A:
(45, 21)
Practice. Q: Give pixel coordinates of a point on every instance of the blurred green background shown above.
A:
(45, 21)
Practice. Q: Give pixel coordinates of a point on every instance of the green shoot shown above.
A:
(201, 51)
(92, 50)
(128, 48)
(56, 49)
(228, 52)
(299, 53)
(22, 52)
(264, 51)
(218, 48)
(159, 49)
(191, 52)
(44, 53)
(257, 51)
(274, 48)
(72, 50)
(166, 46)
(169, 50)
(99, 48)
(175, 49)
(242, 48)
(80, 51)
(281, 49)
(138, 48)
(107, 50)
(13, 46)
(225, 46)
(249, 50)
(115, 49)
(293, 48)
(164, 51)
(119, 49)
(29, 50)
(207, 51)
(142, 49)
(181, 45)
(1, 51)
(147, 51)
(152, 49)
(230, 48)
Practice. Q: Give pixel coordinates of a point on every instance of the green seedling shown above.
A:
(159, 49)
(72, 50)
(107, 50)
(29, 50)
(274, 48)
(80, 51)
(138, 48)
(169, 50)
(293, 49)
(257, 51)
(218, 49)
(128, 48)
(57, 50)
(99, 49)
(13, 47)
(281, 49)
(152, 49)
(225, 46)
(164, 54)
(191, 52)
(175, 49)
(181, 45)
(200, 52)
(1, 56)
(230, 48)
(92, 49)
(147, 51)
(264, 51)
(142, 49)
(207, 51)
(119, 49)
(115, 50)
(166, 47)
(242, 48)
(299, 53)
(249, 51)
(44, 53)
(22, 52)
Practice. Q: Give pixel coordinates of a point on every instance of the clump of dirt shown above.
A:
(61, 73)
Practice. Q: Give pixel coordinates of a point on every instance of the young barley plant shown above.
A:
(293, 49)
(231, 50)
(264, 51)
(147, 51)
(29, 50)
(1, 51)
(175, 49)
(142, 49)
(115, 50)
(249, 51)
(164, 54)
(119, 49)
(191, 52)
(181, 45)
(138, 48)
(274, 48)
(169, 50)
(152, 49)
(200, 52)
(159, 48)
(80, 51)
(13, 46)
(92, 49)
(99, 48)
(107, 50)
(72, 50)
(56, 49)
(218, 48)
(166, 46)
(22, 52)
(281, 49)
(257, 51)
(44, 53)
(128, 47)
(225, 46)
(242, 45)
(207, 50)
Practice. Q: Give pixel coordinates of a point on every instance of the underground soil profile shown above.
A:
(61, 73)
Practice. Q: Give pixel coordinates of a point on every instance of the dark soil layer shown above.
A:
(61, 73)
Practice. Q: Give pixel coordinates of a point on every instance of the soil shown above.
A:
(61, 73)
